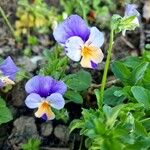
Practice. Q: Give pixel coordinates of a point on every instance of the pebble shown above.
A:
(46, 128)
(62, 133)
(24, 129)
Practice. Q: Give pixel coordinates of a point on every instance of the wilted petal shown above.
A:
(56, 100)
(33, 100)
(8, 68)
(96, 38)
(130, 10)
(40, 85)
(58, 87)
(74, 25)
(73, 48)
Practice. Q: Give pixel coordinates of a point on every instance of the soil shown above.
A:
(54, 135)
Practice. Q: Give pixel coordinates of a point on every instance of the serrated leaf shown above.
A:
(79, 81)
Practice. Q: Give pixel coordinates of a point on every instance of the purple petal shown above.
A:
(44, 117)
(74, 25)
(45, 86)
(40, 85)
(1, 84)
(8, 68)
(33, 100)
(130, 10)
(58, 87)
(94, 65)
(56, 100)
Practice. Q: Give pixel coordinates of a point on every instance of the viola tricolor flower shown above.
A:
(45, 93)
(130, 10)
(80, 41)
(8, 71)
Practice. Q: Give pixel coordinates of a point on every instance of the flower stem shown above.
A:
(7, 21)
(106, 69)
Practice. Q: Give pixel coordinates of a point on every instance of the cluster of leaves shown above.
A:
(77, 83)
(117, 128)
(35, 16)
(120, 24)
(124, 121)
(96, 10)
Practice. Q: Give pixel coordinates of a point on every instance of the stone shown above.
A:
(62, 133)
(26, 63)
(24, 129)
(46, 128)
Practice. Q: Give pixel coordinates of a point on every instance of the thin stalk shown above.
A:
(81, 143)
(7, 21)
(106, 69)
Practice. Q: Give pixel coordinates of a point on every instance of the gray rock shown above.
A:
(27, 64)
(24, 129)
(36, 59)
(46, 128)
(44, 40)
(37, 49)
(5, 49)
(62, 133)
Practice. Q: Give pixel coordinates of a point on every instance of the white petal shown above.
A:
(96, 38)
(73, 48)
(56, 100)
(136, 21)
(33, 100)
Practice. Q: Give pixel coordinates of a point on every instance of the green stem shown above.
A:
(106, 69)
(80, 147)
(7, 21)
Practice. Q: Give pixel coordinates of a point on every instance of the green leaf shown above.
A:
(146, 123)
(141, 143)
(139, 129)
(138, 73)
(5, 114)
(32, 144)
(120, 71)
(32, 40)
(75, 124)
(110, 98)
(142, 95)
(132, 62)
(74, 97)
(112, 114)
(79, 81)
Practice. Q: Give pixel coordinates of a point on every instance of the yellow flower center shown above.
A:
(44, 108)
(86, 51)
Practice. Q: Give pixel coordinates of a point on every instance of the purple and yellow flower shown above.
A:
(8, 71)
(45, 93)
(81, 42)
